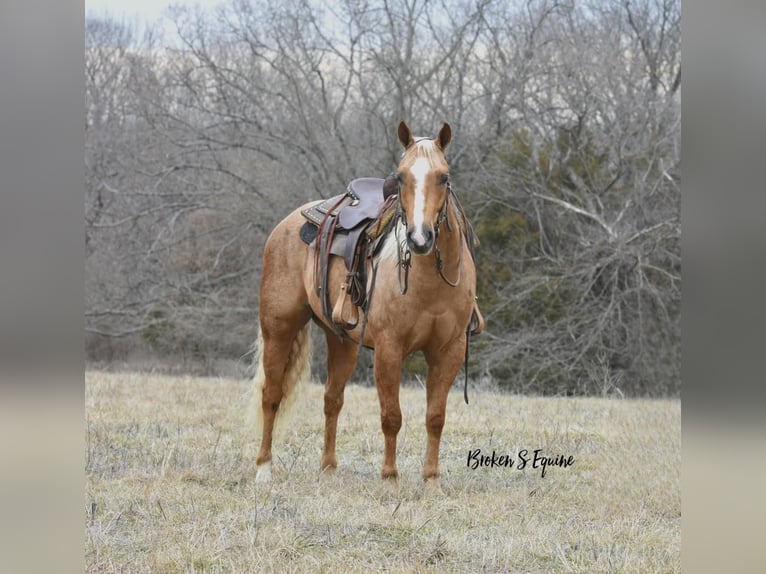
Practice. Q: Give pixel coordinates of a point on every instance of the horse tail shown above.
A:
(297, 372)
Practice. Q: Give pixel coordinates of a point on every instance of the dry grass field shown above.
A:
(170, 484)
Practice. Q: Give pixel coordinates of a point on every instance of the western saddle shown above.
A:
(351, 225)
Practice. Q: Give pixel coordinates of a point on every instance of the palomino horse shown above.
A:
(430, 240)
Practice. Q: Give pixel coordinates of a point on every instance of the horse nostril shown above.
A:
(420, 241)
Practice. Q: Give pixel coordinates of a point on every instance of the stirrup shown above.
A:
(340, 305)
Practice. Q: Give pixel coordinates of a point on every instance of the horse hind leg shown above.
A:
(284, 362)
(341, 361)
(284, 352)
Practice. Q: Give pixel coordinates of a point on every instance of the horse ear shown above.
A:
(444, 137)
(405, 135)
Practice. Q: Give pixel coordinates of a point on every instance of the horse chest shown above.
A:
(413, 327)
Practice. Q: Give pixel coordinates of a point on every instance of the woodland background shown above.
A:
(566, 155)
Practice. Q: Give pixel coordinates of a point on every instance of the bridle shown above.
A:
(404, 252)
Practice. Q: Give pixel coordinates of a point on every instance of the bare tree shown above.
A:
(593, 167)
(567, 123)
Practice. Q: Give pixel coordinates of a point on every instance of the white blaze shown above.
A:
(419, 170)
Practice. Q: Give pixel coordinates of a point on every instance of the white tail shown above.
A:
(298, 371)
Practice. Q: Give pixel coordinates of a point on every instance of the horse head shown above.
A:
(423, 176)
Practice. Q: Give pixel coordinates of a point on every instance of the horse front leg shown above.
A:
(443, 367)
(388, 376)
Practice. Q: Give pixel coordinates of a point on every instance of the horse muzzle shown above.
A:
(420, 240)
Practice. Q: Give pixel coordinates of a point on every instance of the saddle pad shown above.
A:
(308, 234)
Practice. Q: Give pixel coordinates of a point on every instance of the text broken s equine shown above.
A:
(537, 460)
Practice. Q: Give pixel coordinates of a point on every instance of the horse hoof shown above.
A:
(389, 475)
(433, 487)
(263, 472)
(329, 464)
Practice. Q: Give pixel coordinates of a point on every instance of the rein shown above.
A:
(444, 216)
(404, 254)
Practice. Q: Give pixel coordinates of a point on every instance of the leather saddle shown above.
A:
(360, 202)
(350, 225)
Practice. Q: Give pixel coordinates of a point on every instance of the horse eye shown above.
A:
(443, 179)
(400, 178)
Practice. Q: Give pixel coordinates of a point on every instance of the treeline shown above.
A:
(566, 156)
